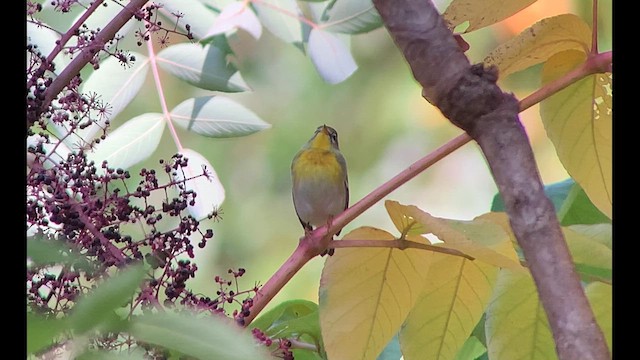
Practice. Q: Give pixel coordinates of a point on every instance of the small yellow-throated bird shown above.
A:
(320, 183)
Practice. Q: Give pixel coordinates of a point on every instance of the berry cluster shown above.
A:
(282, 348)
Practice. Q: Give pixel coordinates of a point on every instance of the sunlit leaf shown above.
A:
(115, 85)
(578, 120)
(330, 56)
(207, 337)
(233, 16)
(194, 13)
(594, 260)
(516, 324)
(97, 306)
(453, 300)
(209, 190)
(600, 233)
(480, 238)
(540, 42)
(131, 143)
(352, 17)
(481, 13)
(217, 116)
(601, 299)
(205, 67)
(280, 17)
(366, 294)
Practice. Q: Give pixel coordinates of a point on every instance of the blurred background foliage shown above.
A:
(383, 123)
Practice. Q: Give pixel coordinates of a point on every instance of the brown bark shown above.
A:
(468, 95)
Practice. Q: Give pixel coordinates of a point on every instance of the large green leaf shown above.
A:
(471, 350)
(540, 42)
(42, 251)
(217, 116)
(291, 318)
(453, 300)
(600, 297)
(207, 337)
(352, 17)
(205, 67)
(130, 143)
(366, 293)
(331, 57)
(578, 121)
(578, 209)
(556, 192)
(96, 307)
(481, 13)
(593, 259)
(516, 324)
(42, 332)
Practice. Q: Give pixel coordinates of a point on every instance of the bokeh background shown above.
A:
(383, 124)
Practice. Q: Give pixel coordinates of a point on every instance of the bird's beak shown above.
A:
(325, 130)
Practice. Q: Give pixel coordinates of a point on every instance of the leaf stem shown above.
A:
(163, 101)
(594, 31)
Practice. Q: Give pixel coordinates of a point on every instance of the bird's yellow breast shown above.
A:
(317, 163)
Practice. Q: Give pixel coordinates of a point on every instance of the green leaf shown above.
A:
(116, 85)
(481, 13)
(97, 307)
(601, 299)
(128, 354)
(540, 42)
(205, 67)
(366, 294)
(207, 337)
(42, 251)
(516, 324)
(578, 209)
(352, 17)
(392, 350)
(578, 122)
(454, 297)
(217, 116)
(42, 332)
(593, 260)
(330, 56)
(471, 350)
(291, 318)
(236, 15)
(209, 190)
(196, 14)
(280, 18)
(131, 143)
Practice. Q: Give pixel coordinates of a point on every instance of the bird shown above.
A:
(320, 183)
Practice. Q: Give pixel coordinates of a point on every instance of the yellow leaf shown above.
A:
(456, 293)
(578, 122)
(366, 294)
(516, 324)
(480, 238)
(481, 13)
(541, 41)
(601, 299)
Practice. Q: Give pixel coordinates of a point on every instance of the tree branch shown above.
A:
(469, 97)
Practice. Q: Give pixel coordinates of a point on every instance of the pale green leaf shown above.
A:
(600, 233)
(600, 297)
(130, 143)
(201, 337)
(516, 324)
(205, 67)
(453, 300)
(366, 293)
(540, 42)
(201, 178)
(352, 17)
(198, 16)
(578, 120)
(594, 260)
(98, 306)
(291, 319)
(45, 40)
(217, 116)
(471, 350)
(236, 15)
(115, 86)
(330, 56)
(280, 17)
(481, 13)
(42, 332)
